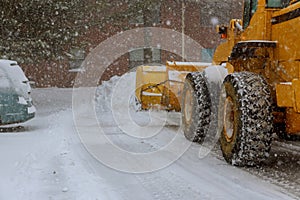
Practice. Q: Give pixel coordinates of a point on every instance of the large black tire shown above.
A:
(247, 121)
(196, 107)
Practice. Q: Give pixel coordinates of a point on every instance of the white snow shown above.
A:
(4, 82)
(151, 94)
(22, 100)
(150, 68)
(195, 64)
(46, 159)
(264, 41)
(31, 109)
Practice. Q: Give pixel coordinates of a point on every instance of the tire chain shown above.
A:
(203, 108)
(256, 130)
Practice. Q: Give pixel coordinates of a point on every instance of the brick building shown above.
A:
(194, 18)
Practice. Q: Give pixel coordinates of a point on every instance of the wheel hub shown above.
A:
(188, 106)
(228, 120)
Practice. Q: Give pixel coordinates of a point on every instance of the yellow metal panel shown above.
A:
(229, 68)
(161, 86)
(222, 53)
(285, 95)
(138, 82)
(288, 70)
(296, 87)
(257, 28)
(146, 76)
(151, 95)
(186, 66)
(292, 121)
(287, 35)
(288, 46)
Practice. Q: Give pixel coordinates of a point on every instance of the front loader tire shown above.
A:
(247, 124)
(196, 107)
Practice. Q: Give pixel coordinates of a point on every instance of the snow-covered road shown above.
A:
(47, 160)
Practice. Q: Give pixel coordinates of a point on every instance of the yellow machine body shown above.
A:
(160, 87)
(268, 45)
(265, 42)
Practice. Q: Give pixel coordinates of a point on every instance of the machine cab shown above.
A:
(250, 7)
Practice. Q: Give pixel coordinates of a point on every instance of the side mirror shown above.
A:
(236, 24)
(32, 84)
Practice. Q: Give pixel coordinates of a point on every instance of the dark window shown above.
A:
(138, 56)
(277, 3)
(156, 55)
(149, 15)
(250, 7)
(76, 57)
(215, 12)
(155, 14)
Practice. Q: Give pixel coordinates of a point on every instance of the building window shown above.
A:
(155, 14)
(156, 55)
(138, 56)
(149, 15)
(215, 12)
(76, 57)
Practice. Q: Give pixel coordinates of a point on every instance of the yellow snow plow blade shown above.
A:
(160, 87)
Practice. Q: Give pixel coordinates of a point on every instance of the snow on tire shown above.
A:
(196, 107)
(247, 119)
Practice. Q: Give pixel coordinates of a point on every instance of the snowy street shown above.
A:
(100, 100)
(45, 159)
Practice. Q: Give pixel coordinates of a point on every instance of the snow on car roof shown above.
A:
(4, 82)
(13, 70)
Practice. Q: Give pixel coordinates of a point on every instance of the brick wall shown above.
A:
(57, 74)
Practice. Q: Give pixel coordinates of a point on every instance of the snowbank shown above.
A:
(117, 96)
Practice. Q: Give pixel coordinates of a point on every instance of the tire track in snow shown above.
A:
(169, 186)
(282, 168)
(41, 166)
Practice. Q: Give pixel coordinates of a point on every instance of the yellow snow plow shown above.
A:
(251, 91)
(160, 87)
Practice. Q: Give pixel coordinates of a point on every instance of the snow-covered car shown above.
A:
(15, 98)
